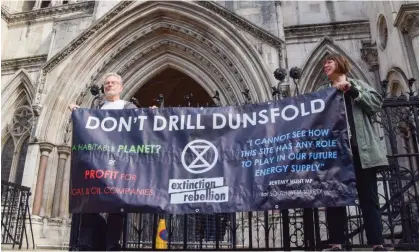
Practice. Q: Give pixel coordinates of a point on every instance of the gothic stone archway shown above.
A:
(313, 75)
(177, 89)
(145, 39)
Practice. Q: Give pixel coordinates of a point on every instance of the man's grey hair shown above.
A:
(112, 74)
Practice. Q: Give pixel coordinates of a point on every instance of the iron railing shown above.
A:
(14, 214)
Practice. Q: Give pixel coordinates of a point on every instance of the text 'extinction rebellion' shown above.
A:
(197, 190)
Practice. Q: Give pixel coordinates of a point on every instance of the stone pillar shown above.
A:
(45, 149)
(415, 45)
(65, 191)
(37, 4)
(411, 27)
(369, 54)
(407, 21)
(56, 2)
(413, 34)
(63, 152)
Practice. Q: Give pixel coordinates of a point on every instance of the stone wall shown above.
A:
(264, 14)
(395, 50)
(67, 29)
(321, 12)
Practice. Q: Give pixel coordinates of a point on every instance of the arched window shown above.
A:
(395, 89)
(28, 5)
(14, 154)
(382, 32)
(402, 118)
(18, 116)
(21, 161)
(7, 158)
(313, 75)
(397, 83)
(45, 4)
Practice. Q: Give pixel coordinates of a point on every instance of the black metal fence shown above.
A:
(304, 229)
(15, 215)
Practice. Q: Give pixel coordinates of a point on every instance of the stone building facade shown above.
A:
(53, 51)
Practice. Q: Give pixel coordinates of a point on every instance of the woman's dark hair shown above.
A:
(343, 65)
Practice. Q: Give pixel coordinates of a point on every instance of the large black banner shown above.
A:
(291, 153)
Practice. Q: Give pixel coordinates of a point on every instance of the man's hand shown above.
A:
(153, 107)
(343, 86)
(73, 106)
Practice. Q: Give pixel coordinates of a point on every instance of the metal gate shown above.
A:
(304, 229)
(15, 215)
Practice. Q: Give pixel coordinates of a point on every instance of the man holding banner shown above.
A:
(103, 231)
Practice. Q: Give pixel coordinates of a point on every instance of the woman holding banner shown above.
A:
(361, 102)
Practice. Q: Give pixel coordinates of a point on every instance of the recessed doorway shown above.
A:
(177, 88)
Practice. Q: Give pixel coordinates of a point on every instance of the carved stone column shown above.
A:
(369, 54)
(37, 4)
(56, 2)
(63, 152)
(407, 21)
(410, 26)
(45, 149)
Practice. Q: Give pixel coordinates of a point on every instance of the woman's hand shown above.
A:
(343, 86)
(73, 106)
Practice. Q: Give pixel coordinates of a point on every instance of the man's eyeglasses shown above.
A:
(111, 82)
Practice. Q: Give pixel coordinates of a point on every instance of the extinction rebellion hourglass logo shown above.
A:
(198, 156)
(202, 160)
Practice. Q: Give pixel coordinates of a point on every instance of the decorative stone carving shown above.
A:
(64, 151)
(36, 109)
(85, 7)
(411, 25)
(55, 222)
(40, 84)
(5, 14)
(408, 19)
(321, 30)
(369, 54)
(80, 97)
(99, 101)
(46, 148)
(39, 220)
(68, 131)
(22, 121)
(27, 62)
(247, 96)
(171, 27)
